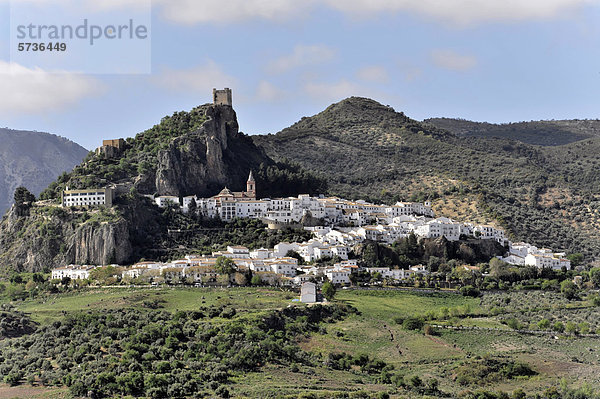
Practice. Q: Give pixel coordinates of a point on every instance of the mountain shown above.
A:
(545, 133)
(549, 196)
(33, 160)
(189, 153)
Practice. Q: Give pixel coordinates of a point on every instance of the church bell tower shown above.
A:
(251, 186)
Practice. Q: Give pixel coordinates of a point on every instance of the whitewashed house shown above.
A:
(308, 292)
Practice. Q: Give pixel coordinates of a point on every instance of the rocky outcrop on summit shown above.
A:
(202, 162)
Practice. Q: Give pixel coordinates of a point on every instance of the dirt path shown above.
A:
(393, 339)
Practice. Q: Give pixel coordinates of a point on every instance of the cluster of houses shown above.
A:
(271, 265)
(277, 266)
(523, 254)
(425, 227)
(343, 223)
(332, 211)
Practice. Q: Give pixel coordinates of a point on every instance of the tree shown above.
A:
(293, 254)
(328, 290)
(224, 265)
(575, 259)
(433, 264)
(558, 326)
(571, 327)
(543, 324)
(23, 196)
(103, 274)
(256, 280)
(240, 279)
(568, 289)
(499, 269)
(595, 276)
(192, 208)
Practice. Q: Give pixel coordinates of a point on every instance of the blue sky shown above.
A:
(485, 60)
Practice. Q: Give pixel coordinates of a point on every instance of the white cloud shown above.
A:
(374, 73)
(449, 59)
(302, 56)
(463, 12)
(219, 11)
(409, 71)
(201, 78)
(334, 91)
(35, 91)
(457, 12)
(268, 92)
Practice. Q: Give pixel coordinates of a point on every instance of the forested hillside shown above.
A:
(546, 133)
(545, 195)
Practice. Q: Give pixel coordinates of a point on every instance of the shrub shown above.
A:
(558, 327)
(469, 290)
(412, 323)
(568, 289)
(328, 290)
(543, 324)
(12, 378)
(513, 323)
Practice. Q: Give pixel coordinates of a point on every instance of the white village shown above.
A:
(341, 225)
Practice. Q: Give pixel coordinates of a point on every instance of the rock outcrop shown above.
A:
(206, 160)
(49, 237)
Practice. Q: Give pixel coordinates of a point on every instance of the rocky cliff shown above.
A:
(204, 161)
(49, 237)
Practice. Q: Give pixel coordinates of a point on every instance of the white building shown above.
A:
(90, 197)
(284, 266)
(308, 292)
(338, 276)
(74, 272)
(547, 261)
(441, 227)
(489, 233)
(164, 200)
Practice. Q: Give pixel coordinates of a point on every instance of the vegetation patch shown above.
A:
(488, 369)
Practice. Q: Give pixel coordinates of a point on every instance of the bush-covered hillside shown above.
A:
(545, 195)
(546, 133)
(146, 159)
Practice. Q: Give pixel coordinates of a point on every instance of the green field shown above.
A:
(374, 331)
(54, 307)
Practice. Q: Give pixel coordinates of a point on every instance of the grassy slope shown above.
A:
(375, 333)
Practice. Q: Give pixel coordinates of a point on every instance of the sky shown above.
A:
(485, 60)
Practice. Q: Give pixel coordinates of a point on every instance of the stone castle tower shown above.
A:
(222, 97)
